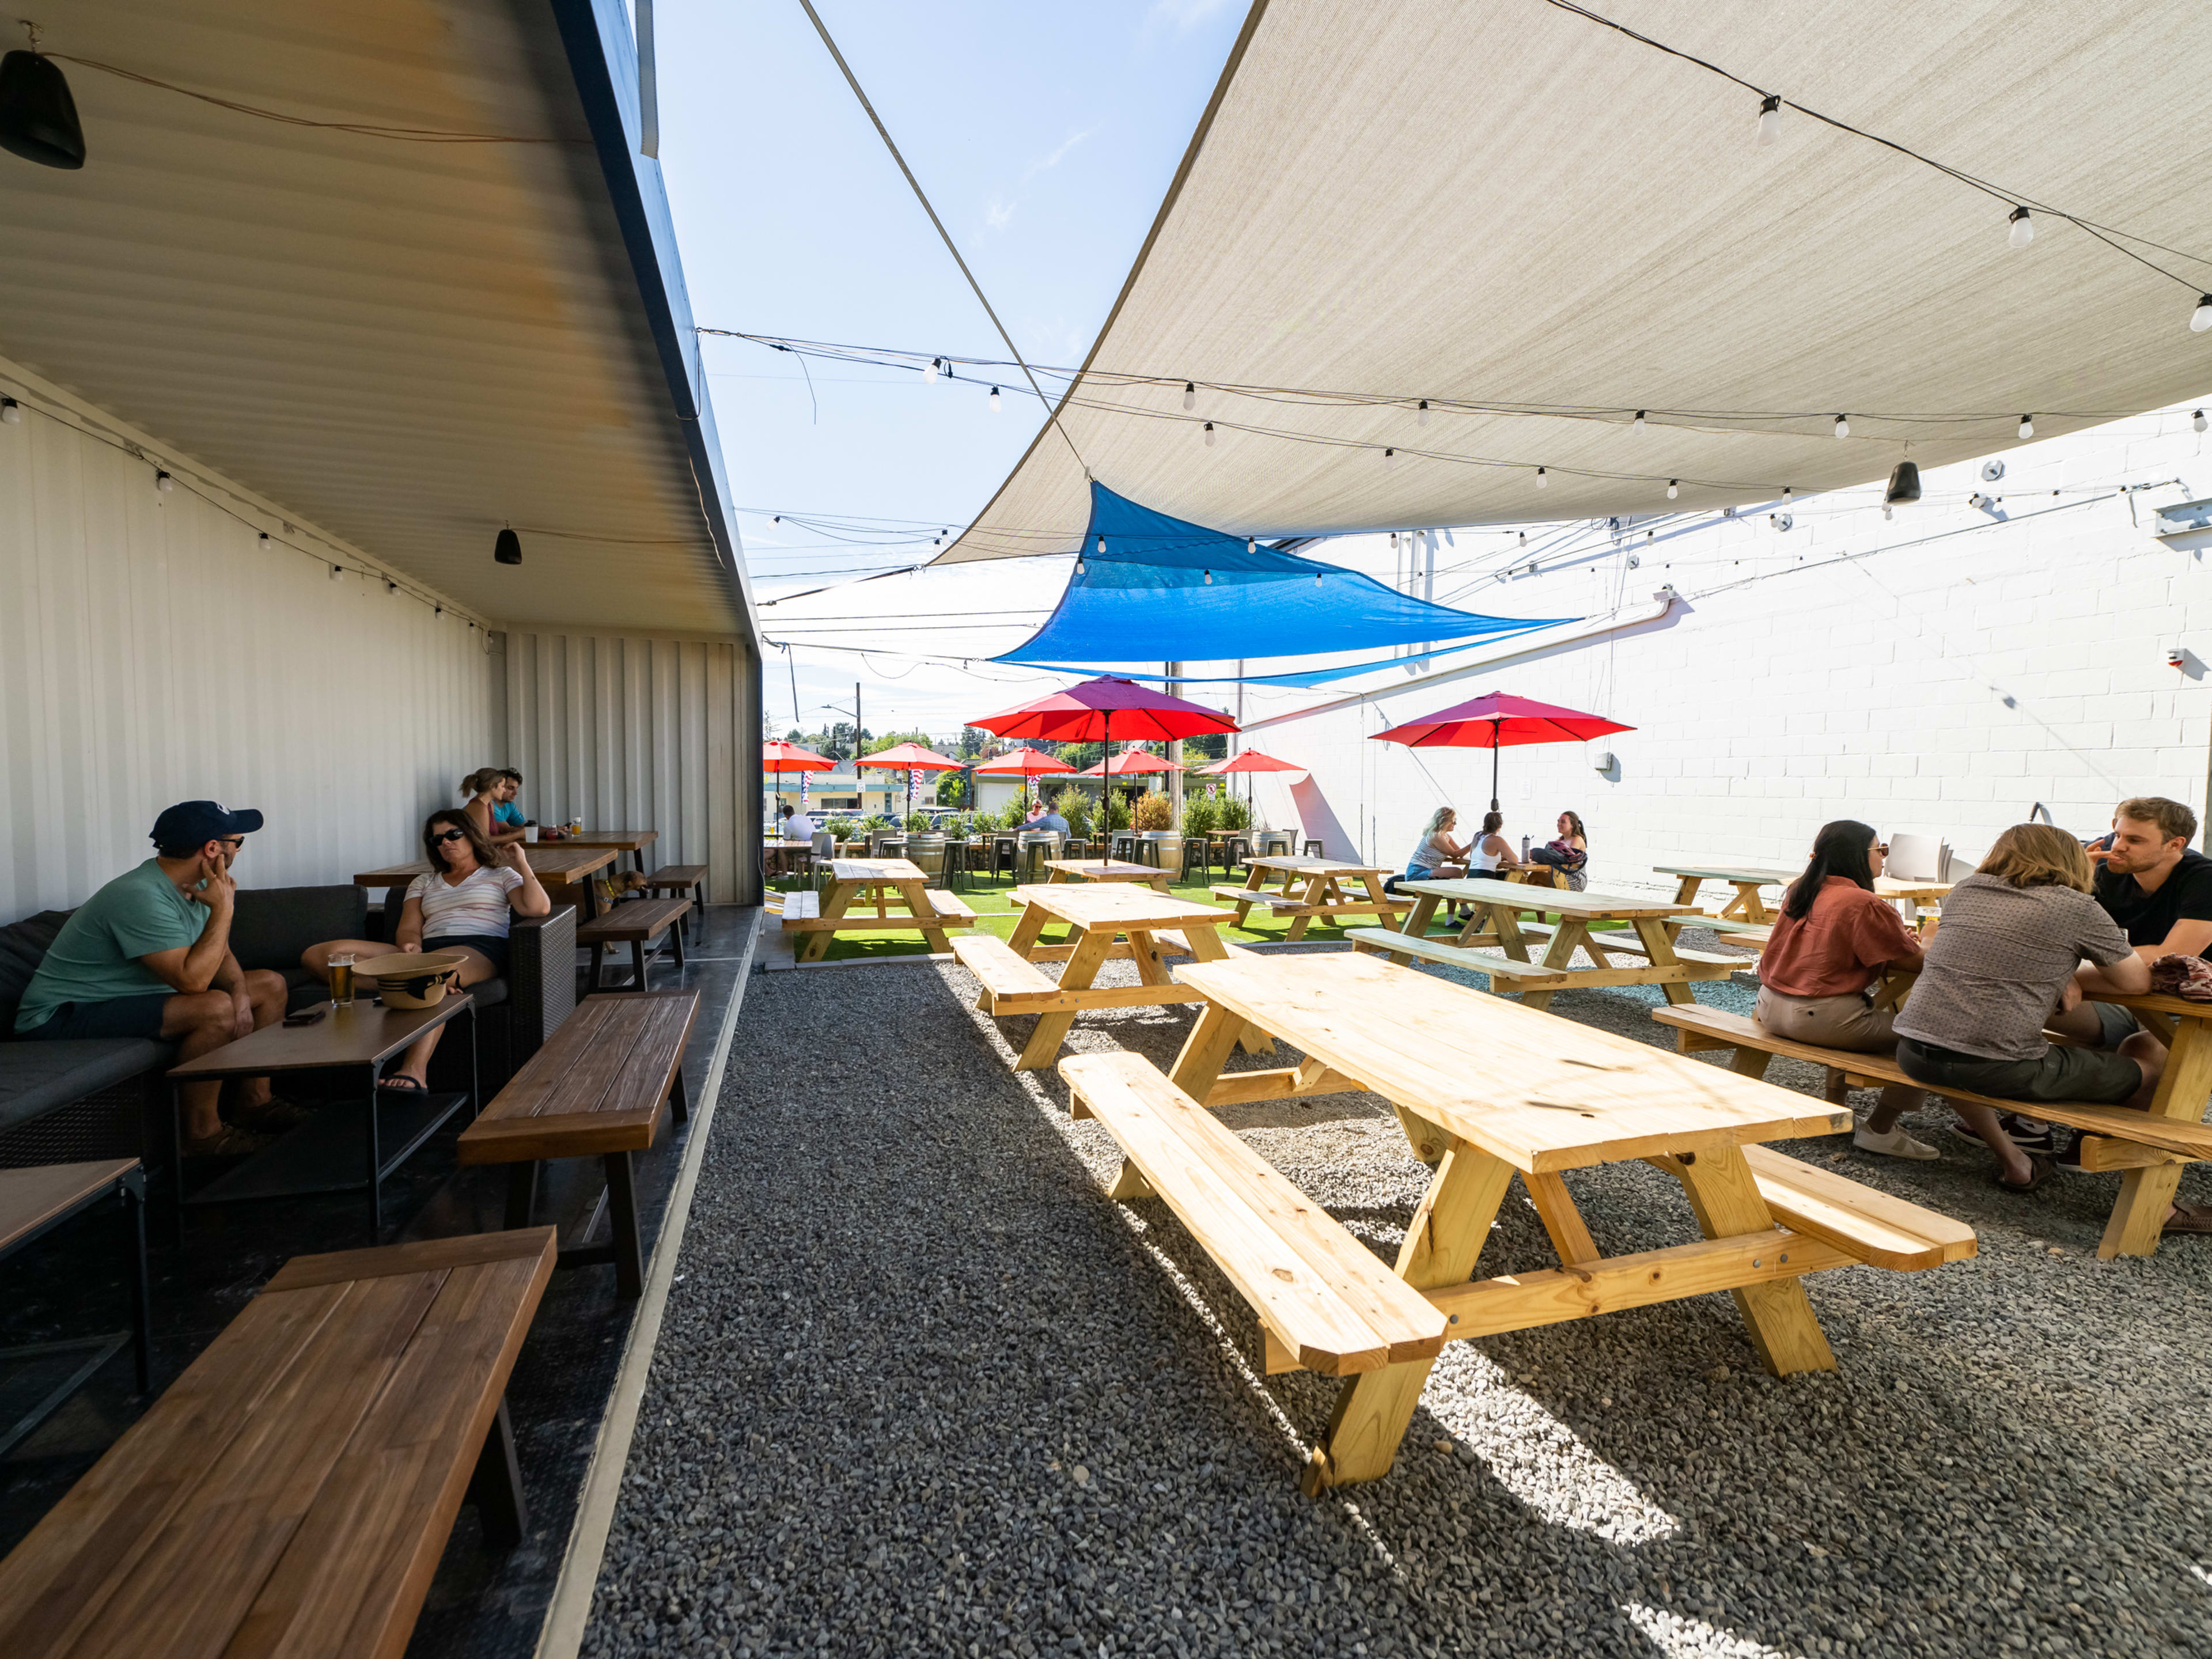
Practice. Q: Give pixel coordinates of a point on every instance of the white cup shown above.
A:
(530, 833)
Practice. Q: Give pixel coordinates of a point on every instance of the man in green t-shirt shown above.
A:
(148, 956)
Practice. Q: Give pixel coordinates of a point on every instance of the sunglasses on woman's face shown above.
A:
(1882, 848)
(453, 835)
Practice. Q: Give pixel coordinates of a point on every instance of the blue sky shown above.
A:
(1046, 135)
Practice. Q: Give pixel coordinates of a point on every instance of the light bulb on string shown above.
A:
(1209, 579)
(2023, 228)
(1785, 492)
(11, 412)
(2198, 420)
(1843, 427)
(1673, 488)
(929, 374)
(265, 541)
(1189, 395)
(1390, 459)
(2201, 319)
(1102, 547)
(1421, 414)
(164, 482)
(2028, 426)
(1770, 120)
(1209, 434)
(994, 400)
(1252, 543)
(1637, 424)
(1542, 482)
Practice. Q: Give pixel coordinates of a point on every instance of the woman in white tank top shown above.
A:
(1493, 853)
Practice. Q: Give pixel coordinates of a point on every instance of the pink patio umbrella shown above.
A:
(1094, 711)
(917, 760)
(1496, 721)
(1026, 763)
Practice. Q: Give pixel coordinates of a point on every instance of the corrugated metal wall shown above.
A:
(151, 651)
(630, 731)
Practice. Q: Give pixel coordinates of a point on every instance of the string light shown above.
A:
(1102, 547)
(2023, 228)
(1252, 542)
(1209, 434)
(164, 482)
(1785, 492)
(1189, 394)
(1673, 488)
(1390, 459)
(1209, 579)
(392, 589)
(1638, 422)
(994, 400)
(265, 541)
(929, 374)
(2201, 319)
(1843, 427)
(1542, 482)
(1770, 120)
(2198, 420)
(11, 412)
(1421, 414)
(2028, 426)
(338, 573)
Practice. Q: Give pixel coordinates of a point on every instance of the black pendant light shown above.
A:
(509, 548)
(1904, 485)
(38, 117)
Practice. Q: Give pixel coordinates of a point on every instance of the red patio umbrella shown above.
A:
(1135, 760)
(1096, 711)
(914, 758)
(777, 755)
(1026, 763)
(1250, 760)
(1495, 721)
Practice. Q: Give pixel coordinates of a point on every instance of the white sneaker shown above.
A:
(1895, 1144)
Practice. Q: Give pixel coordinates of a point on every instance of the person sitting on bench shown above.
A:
(148, 956)
(2002, 961)
(1823, 956)
(462, 905)
(506, 818)
(1568, 855)
(1437, 857)
(1492, 855)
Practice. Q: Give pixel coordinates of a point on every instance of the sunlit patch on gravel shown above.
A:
(1693, 1638)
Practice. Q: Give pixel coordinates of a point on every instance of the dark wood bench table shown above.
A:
(597, 1089)
(692, 878)
(632, 841)
(33, 1203)
(292, 1492)
(639, 924)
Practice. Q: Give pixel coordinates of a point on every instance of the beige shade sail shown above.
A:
(1509, 207)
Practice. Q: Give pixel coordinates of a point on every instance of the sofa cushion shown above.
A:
(37, 1077)
(23, 946)
(273, 925)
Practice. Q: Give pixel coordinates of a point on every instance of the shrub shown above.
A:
(917, 824)
(1235, 814)
(1155, 812)
(875, 821)
(842, 829)
(1202, 815)
(1117, 813)
(1075, 806)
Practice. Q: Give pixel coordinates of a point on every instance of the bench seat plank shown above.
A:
(1323, 1294)
(293, 1491)
(1873, 1226)
(677, 876)
(1535, 975)
(636, 919)
(598, 1085)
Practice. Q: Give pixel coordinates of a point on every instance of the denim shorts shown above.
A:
(118, 1017)
(484, 945)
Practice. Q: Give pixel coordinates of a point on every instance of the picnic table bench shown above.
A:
(929, 909)
(599, 1089)
(1648, 940)
(642, 924)
(292, 1492)
(2151, 1147)
(1311, 888)
(1747, 905)
(1106, 921)
(1488, 1092)
(678, 879)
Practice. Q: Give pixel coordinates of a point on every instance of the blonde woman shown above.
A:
(486, 789)
(2003, 962)
(1437, 857)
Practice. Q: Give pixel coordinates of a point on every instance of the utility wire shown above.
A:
(915, 184)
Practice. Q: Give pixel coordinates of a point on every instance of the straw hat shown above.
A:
(410, 980)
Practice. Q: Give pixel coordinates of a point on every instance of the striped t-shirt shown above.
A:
(477, 907)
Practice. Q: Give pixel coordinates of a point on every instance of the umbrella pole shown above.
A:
(1106, 797)
(1494, 726)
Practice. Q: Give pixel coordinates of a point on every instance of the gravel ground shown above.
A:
(923, 1388)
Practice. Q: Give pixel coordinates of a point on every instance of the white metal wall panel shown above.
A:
(632, 731)
(151, 651)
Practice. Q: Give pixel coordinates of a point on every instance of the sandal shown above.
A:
(230, 1141)
(2188, 1219)
(400, 1084)
(2040, 1168)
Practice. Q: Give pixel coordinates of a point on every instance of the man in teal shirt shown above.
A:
(148, 956)
(507, 822)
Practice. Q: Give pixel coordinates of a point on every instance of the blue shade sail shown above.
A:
(1164, 590)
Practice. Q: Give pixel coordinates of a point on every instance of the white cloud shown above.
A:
(1055, 158)
(1181, 15)
(997, 211)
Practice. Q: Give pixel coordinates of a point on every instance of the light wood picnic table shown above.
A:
(1105, 921)
(632, 842)
(1111, 870)
(1647, 944)
(879, 880)
(1746, 879)
(1487, 1091)
(1311, 888)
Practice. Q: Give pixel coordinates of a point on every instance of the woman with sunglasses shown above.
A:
(462, 904)
(1824, 953)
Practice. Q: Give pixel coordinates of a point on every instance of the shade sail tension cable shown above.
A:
(945, 235)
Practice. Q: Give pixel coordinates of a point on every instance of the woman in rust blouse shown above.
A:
(1826, 949)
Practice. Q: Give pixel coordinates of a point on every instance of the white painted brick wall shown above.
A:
(1940, 688)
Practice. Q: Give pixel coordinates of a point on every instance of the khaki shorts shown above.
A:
(2093, 1075)
(1848, 1021)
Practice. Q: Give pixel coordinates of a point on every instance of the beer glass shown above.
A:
(341, 966)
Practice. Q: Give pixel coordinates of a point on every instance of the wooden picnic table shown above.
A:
(880, 880)
(1487, 1091)
(1311, 888)
(632, 841)
(1065, 870)
(1746, 879)
(564, 872)
(1105, 921)
(1647, 944)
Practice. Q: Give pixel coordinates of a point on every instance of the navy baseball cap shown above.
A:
(195, 823)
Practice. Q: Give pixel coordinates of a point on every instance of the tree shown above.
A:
(953, 789)
(974, 741)
(1207, 745)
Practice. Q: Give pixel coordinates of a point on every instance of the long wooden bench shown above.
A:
(949, 908)
(641, 924)
(1863, 1222)
(599, 1088)
(1013, 985)
(293, 1491)
(1535, 975)
(682, 878)
(1329, 1302)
